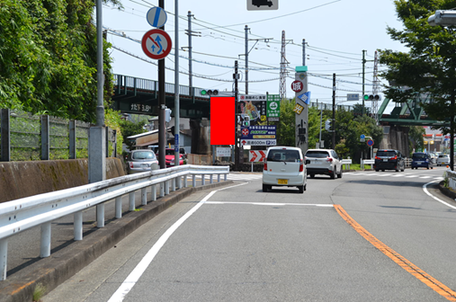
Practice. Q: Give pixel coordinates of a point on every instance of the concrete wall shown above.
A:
(23, 179)
(395, 137)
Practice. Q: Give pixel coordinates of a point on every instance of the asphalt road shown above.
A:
(240, 244)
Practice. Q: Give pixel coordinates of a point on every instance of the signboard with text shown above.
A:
(253, 106)
(273, 107)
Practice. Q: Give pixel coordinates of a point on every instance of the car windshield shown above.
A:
(419, 155)
(284, 155)
(317, 154)
(143, 155)
(169, 151)
(386, 153)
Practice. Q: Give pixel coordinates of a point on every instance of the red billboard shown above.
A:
(222, 120)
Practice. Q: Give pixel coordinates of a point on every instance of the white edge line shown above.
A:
(137, 272)
(439, 200)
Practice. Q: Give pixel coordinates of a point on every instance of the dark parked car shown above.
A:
(141, 161)
(389, 159)
(420, 159)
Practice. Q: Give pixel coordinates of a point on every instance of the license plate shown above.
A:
(282, 181)
(315, 162)
(419, 162)
(443, 163)
(385, 159)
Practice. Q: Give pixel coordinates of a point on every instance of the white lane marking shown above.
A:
(270, 203)
(137, 272)
(438, 199)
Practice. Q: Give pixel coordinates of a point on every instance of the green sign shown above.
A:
(273, 107)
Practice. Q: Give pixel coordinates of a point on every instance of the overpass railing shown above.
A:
(22, 214)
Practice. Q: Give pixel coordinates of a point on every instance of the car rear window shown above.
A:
(317, 154)
(283, 155)
(143, 155)
(443, 155)
(419, 155)
(386, 153)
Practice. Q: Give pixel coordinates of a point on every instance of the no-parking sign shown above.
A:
(156, 44)
(370, 143)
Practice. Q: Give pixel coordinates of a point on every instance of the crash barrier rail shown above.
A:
(451, 176)
(19, 215)
(346, 162)
(367, 162)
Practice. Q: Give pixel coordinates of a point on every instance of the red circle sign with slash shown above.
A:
(156, 44)
(297, 86)
(370, 143)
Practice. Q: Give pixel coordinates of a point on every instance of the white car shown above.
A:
(443, 160)
(323, 161)
(284, 167)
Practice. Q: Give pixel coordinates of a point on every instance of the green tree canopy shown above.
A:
(48, 58)
(427, 72)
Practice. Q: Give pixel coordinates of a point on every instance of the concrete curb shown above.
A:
(446, 191)
(61, 265)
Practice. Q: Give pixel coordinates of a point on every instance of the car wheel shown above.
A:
(432, 167)
(312, 175)
(333, 175)
(340, 174)
(376, 170)
(427, 167)
(265, 188)
(383, 170)
(301, 189)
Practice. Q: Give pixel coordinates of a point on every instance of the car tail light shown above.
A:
(301, 167)
(394, 157)
(131, 165)
(265, 168)
(329, 159)
(376, 157)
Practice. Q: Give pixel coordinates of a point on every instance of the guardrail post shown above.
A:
(77, 224)
(211, 178)
(132, 206)
(194, 180)
(154, 192)
(3, 258)
(144, 196)
(185, 181)
(162, 189)
(225, 176)
(45, 250)
(119, 207)
(203, 179)
(218, 177)
(101, 215)
(173, 184)
(167, 187)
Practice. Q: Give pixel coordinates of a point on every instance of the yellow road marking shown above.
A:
(421, 275)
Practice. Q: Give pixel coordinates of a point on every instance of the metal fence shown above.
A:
(19, 215)
(25, 137)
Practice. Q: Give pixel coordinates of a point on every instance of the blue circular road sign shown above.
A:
(156, 16)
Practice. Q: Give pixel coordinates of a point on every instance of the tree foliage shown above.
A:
(48, 58)
(428, 69)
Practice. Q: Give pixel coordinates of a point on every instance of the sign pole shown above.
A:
(162, 107)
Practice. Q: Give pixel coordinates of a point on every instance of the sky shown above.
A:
(335, 31)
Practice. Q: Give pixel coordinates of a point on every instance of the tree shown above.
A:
(48, 58)
(416, 138)
(429, 68)
(286, 129)
(128, 129)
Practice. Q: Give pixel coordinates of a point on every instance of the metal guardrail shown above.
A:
(40, 210)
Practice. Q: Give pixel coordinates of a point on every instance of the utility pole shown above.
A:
(189, 33)
(333, 126)
(303, 52)
(364, 75)
(246, 59)
(176, 85)
(236, 96)
(162, 103)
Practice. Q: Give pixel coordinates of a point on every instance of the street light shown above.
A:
(447, 18)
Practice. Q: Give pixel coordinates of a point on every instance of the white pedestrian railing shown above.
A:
(40, 210)
(346, 162)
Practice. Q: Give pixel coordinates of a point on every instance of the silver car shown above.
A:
(141, 161)
(323, 161)
(285, 167)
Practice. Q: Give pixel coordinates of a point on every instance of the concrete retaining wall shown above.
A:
(23, 179)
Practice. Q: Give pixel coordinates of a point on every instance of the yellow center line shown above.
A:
(421, 275)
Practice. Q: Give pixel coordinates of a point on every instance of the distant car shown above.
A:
(169, 157)
(141, 161)
(284, 167)
(420, 159)
(323, 161)
(443, 160)
(389, 159)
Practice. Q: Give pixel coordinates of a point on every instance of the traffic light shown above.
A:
(167, 115)
(328, 125)
(209, 92)
(245, 121)
(371, 97)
